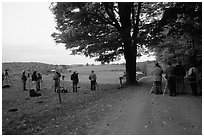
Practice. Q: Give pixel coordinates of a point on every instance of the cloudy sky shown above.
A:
(26, 30)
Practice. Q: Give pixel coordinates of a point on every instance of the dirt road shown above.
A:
(149, 114)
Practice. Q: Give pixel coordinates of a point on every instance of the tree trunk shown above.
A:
(129, 49)
(131, 70)
(130, 57)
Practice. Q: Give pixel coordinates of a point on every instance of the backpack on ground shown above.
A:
(33, 93)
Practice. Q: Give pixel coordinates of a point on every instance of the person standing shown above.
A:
(180, 74)
(62, 83)
(24, 78)
(92, 78)
(3, 77)
(192, 76)
(56, 78)
(75, 81)
(158, 79)
(34, 80)
(171, 80)
(29, 80)
(39, 79)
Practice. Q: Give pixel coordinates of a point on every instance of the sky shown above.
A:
(26, 36)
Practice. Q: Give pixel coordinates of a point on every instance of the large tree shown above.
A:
(180, 31)
(106, 30)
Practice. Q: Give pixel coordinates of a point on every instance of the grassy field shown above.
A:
(45, 115)
(105, 73)
(25, 115)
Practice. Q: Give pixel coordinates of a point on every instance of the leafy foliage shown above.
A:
(180, 33)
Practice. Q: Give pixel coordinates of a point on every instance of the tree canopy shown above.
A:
(107, 30)
(94, 29)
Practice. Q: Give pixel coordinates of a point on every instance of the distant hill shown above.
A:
(17, 67)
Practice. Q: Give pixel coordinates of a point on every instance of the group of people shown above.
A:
(175, 76)
(34, 80)
(75, 80)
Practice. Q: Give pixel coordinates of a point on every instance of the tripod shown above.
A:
(6, 79)
(165, 88)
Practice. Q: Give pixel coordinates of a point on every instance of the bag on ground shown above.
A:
(33, 93)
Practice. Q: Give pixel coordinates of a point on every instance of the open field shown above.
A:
(43, 115)
(107, 74)
(35, 115)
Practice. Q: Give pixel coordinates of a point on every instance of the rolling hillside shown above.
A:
(17, 67)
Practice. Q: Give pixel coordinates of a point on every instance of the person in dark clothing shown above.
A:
(29, 80)
(170, 76)
(158, 78)
(24, 78)
(75, 81)
(3, 77)
(34, 76)
(39, 79)
(180, 74)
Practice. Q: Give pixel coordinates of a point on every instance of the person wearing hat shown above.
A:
(24, 78)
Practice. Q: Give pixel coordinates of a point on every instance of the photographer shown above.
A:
(39, 80)
(24, 78)
(56, 78)
(75, 81)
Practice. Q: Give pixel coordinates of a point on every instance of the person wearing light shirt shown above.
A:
(192, 76)
(92, 78)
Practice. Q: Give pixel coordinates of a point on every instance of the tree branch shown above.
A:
(136, 24)
(110, 12)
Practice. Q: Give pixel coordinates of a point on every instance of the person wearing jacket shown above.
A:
(39, 80)
(158, 79)
(92, 78)
(75, 81)
(171, 80)
(180, 73)
(192, 76)
(34, 80)
(24, 78)
(56, 78)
